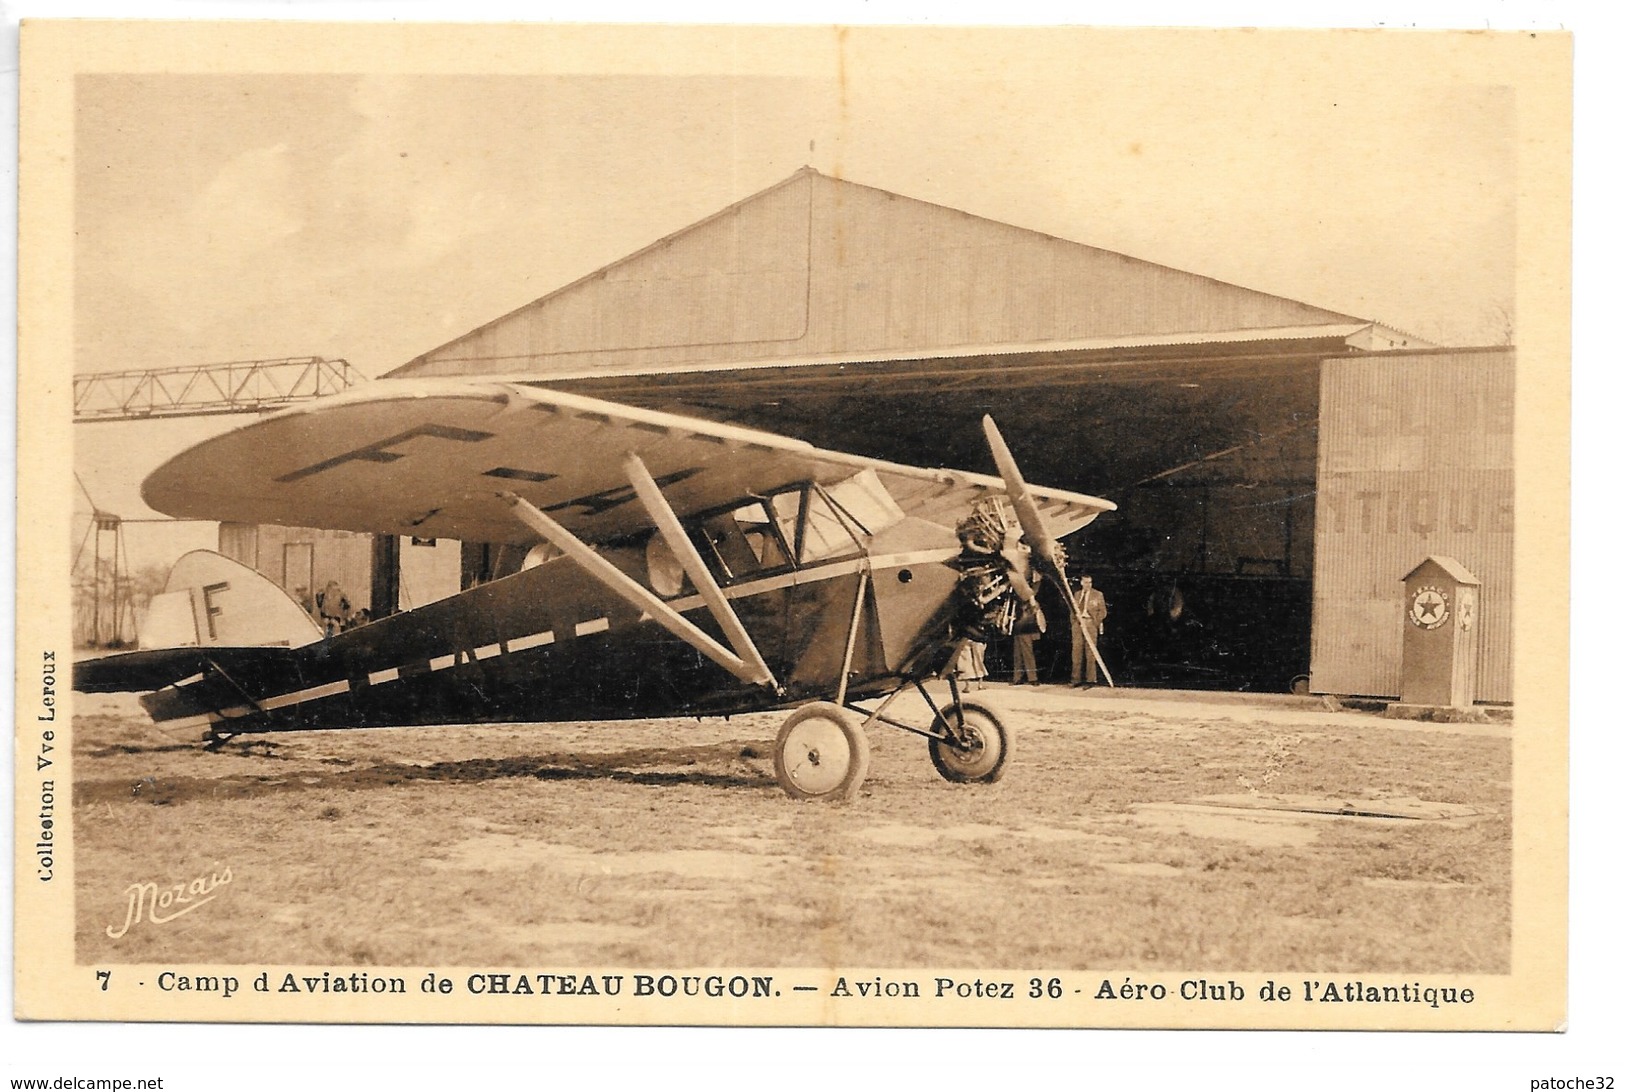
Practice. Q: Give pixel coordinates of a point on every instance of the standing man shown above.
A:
(333, 606)
(1029, 624)
(1092, 611)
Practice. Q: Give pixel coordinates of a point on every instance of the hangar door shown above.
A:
(1415, 459)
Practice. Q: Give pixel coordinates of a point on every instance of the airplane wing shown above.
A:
(432, 459)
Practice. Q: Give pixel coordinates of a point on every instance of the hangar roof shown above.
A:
(821, 271)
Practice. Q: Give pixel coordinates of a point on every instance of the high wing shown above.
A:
(434, 458)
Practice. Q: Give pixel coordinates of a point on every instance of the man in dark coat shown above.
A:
(1030, 624)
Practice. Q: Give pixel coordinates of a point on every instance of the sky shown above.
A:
(375, 215)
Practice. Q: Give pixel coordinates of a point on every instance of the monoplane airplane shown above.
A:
(656, 565)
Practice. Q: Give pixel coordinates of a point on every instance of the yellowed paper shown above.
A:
(206, 192)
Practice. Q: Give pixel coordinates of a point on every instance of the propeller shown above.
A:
(1048, 558)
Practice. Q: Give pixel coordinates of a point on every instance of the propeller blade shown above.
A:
(1015, 486)
(1046, 551)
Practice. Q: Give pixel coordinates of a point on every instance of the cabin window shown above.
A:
(802, 523)
(866, 500)
(743, 542)
(806, 516)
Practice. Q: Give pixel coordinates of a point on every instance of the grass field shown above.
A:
(668, 844)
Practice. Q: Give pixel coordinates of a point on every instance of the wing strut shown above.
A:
(671, 529)
(633, 592)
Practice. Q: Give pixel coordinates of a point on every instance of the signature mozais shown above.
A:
(157, 905)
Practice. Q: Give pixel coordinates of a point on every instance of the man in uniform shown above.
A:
(1092, 610)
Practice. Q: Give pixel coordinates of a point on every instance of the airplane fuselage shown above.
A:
(550, 643)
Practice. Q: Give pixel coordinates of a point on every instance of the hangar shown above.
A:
(1278, 467)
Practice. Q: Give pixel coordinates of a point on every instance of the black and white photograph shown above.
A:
(910, 527)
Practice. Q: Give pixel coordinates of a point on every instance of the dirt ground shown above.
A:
(668, 844)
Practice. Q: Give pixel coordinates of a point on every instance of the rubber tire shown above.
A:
(857, 743)
(990, 763)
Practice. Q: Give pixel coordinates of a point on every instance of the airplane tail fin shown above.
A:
(211, 601)
(215, 620)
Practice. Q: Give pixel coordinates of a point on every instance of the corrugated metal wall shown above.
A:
(1415, 460)
(815, 266)
(301, 560)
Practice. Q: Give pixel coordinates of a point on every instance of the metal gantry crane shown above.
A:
(197, 390)
(105, 607)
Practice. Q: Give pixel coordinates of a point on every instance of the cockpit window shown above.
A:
(865, 500)
(762, 536)
(743, 542)
(804, 523)
(807, 518)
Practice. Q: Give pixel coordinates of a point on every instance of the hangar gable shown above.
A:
(818, 267)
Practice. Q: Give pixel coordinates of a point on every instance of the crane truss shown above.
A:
(241, 386)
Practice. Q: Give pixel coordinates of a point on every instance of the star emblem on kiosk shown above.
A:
(1430, 607)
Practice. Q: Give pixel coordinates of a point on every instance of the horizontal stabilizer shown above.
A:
(216, 620)
(153, 669)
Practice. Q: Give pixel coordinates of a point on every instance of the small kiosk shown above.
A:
(1440, 665)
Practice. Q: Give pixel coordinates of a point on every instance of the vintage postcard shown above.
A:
(1048, 527)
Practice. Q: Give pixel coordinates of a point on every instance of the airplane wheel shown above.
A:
(986, 746)
(821, 754)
